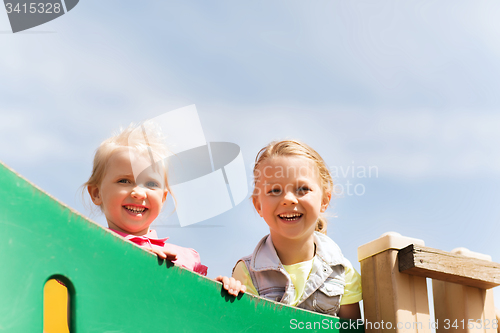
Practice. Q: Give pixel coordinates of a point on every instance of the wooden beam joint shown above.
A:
(440, 265)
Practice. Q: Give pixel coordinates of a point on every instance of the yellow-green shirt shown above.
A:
(299, 273)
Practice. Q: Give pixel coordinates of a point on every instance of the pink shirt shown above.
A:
(187, 258)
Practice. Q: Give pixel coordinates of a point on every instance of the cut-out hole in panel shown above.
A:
(55, 307)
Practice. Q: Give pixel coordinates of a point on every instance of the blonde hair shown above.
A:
(144, 139)
(297, 148)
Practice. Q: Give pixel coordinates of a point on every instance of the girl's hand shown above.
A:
(161, 252)
(233, 286)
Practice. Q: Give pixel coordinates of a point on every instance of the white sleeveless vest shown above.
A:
(324, 288)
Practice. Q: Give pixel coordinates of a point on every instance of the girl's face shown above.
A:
(289, 196)
(129, 202)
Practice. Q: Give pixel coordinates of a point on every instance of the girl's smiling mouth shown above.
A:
(135, 210)
(290, 217)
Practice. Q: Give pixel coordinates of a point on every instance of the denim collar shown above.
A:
(265, 257)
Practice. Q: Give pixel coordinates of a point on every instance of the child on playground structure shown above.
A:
(129, 184)
(297, 264)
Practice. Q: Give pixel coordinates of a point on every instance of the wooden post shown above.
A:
(498, 319)
(463, 308)
(392, 301)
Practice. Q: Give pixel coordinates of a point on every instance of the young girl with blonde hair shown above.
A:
(295, 264)
(129, 183)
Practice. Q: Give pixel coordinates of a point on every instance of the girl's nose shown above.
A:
(289, 198)
(138, 193)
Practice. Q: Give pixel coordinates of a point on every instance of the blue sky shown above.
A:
(408, 87)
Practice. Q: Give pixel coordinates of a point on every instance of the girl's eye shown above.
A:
(152, 184)
(303, 189)
(274, 191)
(124, 181)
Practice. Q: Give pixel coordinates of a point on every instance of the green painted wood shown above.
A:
(115, 286)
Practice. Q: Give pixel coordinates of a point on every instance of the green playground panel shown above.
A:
(114, 285)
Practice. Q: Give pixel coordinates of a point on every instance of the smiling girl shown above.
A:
(129, 183)
(295, 264)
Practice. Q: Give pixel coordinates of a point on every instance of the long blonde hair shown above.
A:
(297, 148)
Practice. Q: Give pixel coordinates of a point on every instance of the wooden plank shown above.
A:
(398, 300)
(445, 266)
(458, 304)
(497, 312)
(370, 300)
(386, 289)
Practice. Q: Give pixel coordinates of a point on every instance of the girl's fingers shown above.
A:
(237, 287)
(233, 286)
(158, 253)
(170, 255)
(163, 253)
(224, 280)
